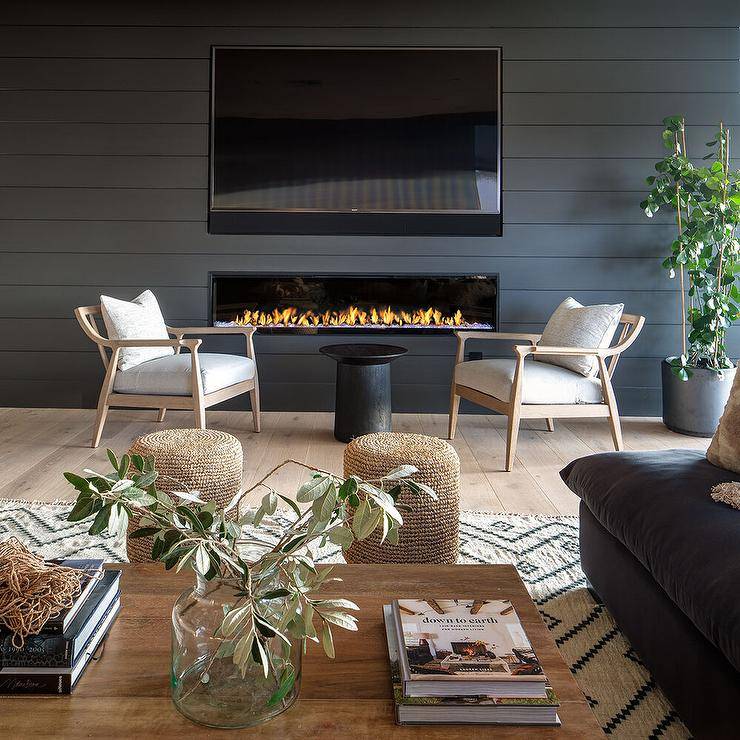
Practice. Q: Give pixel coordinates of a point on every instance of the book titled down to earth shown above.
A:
(466, 708)
(465, 647)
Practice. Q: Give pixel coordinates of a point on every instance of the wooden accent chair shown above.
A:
(170, 374)
(538, 390)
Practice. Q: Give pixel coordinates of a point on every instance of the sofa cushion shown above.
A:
(172, 376)
(724, 449)
(542, 383)
(137, 319)
(657, 504)
(575, 325)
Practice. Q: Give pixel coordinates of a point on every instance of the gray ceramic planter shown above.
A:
(694, 406)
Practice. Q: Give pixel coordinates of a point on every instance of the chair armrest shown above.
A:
(191, 344)
(539, 350)
(182, 330)
(245, 331)
(463, 336)
(502, 335)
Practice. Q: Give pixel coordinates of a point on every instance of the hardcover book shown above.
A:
(61, 651)
(465, 647)
(464, 709)
(57, 625)
(58, 680)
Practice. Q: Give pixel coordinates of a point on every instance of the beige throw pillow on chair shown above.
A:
(137, 319)
(575, 325)
(724, 449)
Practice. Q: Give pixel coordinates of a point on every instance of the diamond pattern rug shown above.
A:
(618, 687)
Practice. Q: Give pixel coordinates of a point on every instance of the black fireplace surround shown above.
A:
(354, 304)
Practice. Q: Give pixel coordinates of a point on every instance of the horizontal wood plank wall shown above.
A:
(103, 175)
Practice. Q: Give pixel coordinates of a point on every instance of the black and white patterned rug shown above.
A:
(618, 687)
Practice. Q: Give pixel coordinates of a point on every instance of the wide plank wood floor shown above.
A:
(38, 445)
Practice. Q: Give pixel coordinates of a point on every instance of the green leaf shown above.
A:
(287, 681)
(143, 532)
(348, 488)
(80, 483)
(341, 536)
(336, 604)
(368, 524)
(186, 513)
(294, 543)
(262, 656)
(101, 520)
(137, 461)
(202, 561)
(345, 621)
(82, 509)
(269, 502)
(292, 504)
(327, 641)
(402, 471)
(313, 489)
(235, 620)
(123, 466)
(121, 485)
(112, 458)
(278, 593)
(323, 507)
(307, 614)
(361, 513)
(395, 492)
(243, 649)
(146, 479)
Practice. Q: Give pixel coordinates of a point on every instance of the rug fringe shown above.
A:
(478, 512)
(25, 502)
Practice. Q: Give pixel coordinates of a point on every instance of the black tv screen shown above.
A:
(355, 140)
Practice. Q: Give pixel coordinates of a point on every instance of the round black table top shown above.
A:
(363, 354)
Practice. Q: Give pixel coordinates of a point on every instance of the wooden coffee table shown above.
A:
(126, 693)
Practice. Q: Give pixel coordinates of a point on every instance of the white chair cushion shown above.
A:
(548, 384)
(575, 325)
(172, 376)
(137, 319)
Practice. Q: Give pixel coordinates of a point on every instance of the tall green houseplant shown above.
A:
(705, 253)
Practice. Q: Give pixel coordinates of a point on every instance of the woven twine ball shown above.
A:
(203, 460)
(430, 532)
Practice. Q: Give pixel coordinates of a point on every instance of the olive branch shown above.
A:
(274, 595)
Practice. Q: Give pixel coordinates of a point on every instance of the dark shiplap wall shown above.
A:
(103, 171)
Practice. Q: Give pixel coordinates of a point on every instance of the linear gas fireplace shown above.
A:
(313, 304)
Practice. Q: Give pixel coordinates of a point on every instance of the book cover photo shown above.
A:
(464, 639)
(464, 709)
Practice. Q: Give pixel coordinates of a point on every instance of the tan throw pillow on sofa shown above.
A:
(137, 319)
(724, 450)
(575, 325)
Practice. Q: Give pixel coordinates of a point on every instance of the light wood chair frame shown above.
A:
(198, 401)
(515, 410)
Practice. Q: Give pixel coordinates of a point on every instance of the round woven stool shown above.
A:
(430, 532)
(203, 460)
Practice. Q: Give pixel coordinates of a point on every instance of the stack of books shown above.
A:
(52, 661)
(465, 661)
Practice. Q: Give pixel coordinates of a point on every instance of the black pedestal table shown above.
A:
(363, 402)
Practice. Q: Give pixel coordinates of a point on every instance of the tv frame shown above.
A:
(378, 223)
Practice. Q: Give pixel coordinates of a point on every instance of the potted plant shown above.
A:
(705, 257)
(238, 635)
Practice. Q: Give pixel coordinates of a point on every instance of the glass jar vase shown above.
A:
(210, 689)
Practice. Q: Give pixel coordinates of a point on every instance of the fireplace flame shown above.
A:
(352, 316)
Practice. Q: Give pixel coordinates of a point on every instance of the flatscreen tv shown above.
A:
(337, 140)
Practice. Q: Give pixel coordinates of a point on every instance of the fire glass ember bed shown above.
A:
(368, 304)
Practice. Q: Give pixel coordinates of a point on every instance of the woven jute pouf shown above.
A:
(203, 460)
(430, 532)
